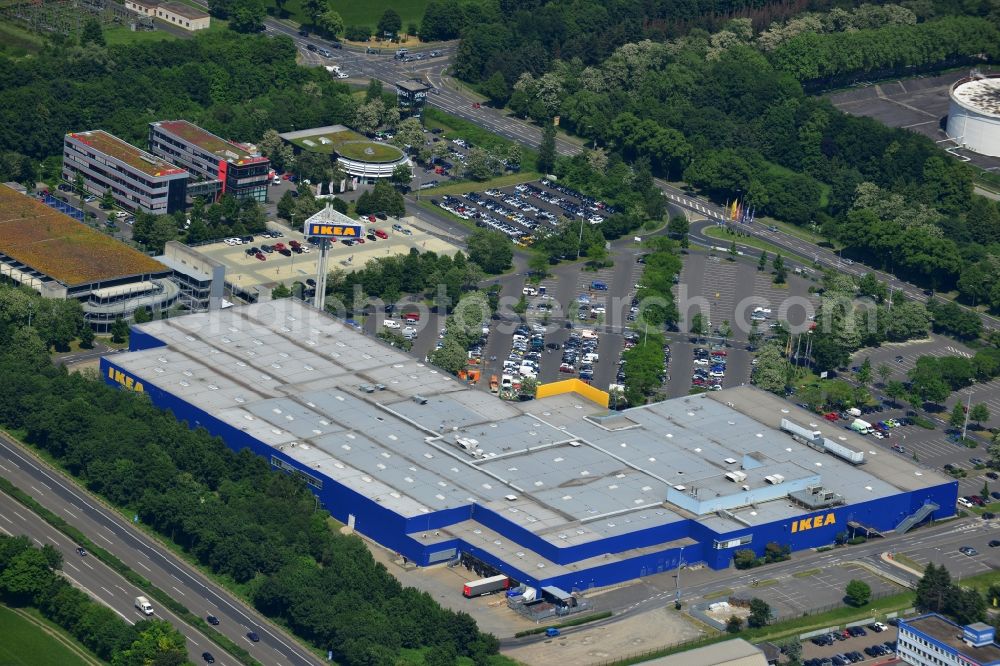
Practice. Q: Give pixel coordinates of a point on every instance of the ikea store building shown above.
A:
(552, 492)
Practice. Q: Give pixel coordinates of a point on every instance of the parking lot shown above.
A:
(944, 548)
(862, 644)
(525, 210)
(733, 291)
(918, 104)
(247, 271)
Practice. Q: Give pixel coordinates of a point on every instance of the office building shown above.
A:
(62, 258)
(934, 640)
(137, 180)
(235, 169)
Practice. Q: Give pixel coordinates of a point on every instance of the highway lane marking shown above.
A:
(7, 519)
(37, 490)
(194, 641)
(122, 589)
(178, 591)
(5, 469)
(51, 539)
(106, 539)
(37, 541)
(87, 564)
(70, 564)
(143, 566)
(19, 516)
(69, 512)
(97, 598)
(108, 591)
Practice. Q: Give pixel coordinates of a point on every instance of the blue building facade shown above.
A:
(409, 535)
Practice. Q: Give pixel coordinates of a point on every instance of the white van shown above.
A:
(142, 604)
(591, 357)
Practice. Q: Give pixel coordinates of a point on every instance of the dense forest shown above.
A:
(728, 114)
(229, 511)
(30, 578)
(237, 86)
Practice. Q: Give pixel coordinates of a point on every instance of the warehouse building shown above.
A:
(553, 492)
(228, 166)
(174, 13)
(136, 179)
(60, 257)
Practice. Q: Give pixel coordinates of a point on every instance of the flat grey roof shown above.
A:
(342, 403)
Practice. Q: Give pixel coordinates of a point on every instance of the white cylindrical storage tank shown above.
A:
(974, 114)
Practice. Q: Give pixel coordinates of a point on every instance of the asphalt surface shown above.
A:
(147, 558)
(98, 580)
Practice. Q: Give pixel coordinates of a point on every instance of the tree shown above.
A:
(957, 417)
(864, 373)
(86, 337)
(280, 291)
(247, 16)
(678, 227)
(725, 331)
(141, 315)
(734, 624)
(495, 88)
(330, 22)
(390, 24)
(286, 205)
(107, 199)
(538, 264)
(884, 372)
(760, 613)
(762, 262)
(119, 331)
(547, 149)
(895, 390)
(933, 589)
(780, 272)
(92, 33)
(699, 327)
(858, 593)
(401, 176)
(451, 357)
(314, 8)
(480, 164)
(491, 250)
(979, 413)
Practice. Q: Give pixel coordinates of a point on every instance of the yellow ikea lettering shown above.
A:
(120, 377)
(813, 522)
(332, 230)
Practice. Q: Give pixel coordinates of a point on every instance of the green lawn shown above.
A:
(464, 186)
(27, 642)
(17, 41)
(361, 13)
(725, 239)
(369, 151)
(120, 35)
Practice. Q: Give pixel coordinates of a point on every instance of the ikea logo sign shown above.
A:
(813, 522)
(325, 230)
(122, 379)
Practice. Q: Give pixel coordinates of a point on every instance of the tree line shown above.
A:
(258, 530)
(31, 577)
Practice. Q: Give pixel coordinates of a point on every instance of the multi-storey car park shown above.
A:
(553, 492)
(136, 179)
(225, 167)
(59, 257)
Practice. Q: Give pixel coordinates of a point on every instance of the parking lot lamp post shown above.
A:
(968, 406)
(680, 563)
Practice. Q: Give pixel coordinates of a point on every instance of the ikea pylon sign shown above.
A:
(330, 230)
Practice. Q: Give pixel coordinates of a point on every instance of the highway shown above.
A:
(148, 558)
(97, 579)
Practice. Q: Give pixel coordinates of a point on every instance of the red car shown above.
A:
(831, 416)
(278, 247)
(260, 256)
(381, 234)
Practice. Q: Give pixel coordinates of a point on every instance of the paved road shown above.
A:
(97, 579)
(148, 558)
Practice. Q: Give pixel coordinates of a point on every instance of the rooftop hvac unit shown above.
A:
(510, 498)
(736, 476)
(774, 479)
(420, 400)
(680, 488)
(747, 488)
(730, 461)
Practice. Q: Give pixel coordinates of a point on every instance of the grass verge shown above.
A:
(563, 625)
(463, 186)
(131, 576)
(907, 561)
(718, 594)
(29, 640)
(720, 233)
(457, 128)
(807, 573)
